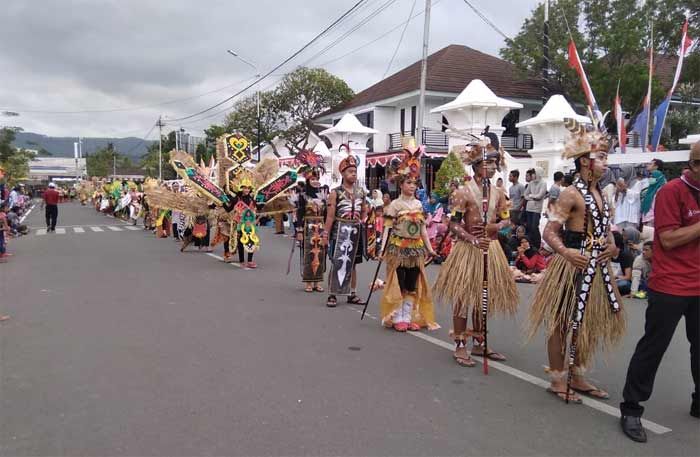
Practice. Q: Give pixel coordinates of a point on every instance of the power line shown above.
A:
(142, 141)
(398, 45)
(487, 21)
(303, 48)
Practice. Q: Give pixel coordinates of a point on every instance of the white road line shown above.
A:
(595, 404)
(132, 227)
(210, 254)
(113, 228)
(78, 230)
(25, 215)
(41, 232)
(60, 230)
(96, 229)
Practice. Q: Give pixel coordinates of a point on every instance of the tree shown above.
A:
(43, 153)
(302, 96)
(14, 161)
(244, 118)
(450, 168)
(612, 37)
(149, 161)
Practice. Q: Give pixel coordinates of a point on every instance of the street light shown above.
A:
(257, 92)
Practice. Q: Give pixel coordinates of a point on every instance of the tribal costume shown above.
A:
(566, 294)
(406, 302)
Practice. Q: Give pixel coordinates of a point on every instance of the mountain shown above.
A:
(63, 146)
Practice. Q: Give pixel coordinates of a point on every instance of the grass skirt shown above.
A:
(423, 312)
(460, 280)
(555, 301)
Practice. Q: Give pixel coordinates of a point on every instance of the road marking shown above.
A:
(96, 229)
(211, 254)
(60, 230)
(595, 404)
(41, 232)
(132, 227)
(78, 230)
(25, 215)
(113, 228)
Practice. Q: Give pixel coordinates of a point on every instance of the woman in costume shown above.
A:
(243, 220)
(309, 224)
(578, 295)
(406, 303)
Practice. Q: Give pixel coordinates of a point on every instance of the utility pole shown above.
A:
(160, 148)
(257, 92)
(545, 54)
(423, 74)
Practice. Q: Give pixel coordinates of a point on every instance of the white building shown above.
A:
(45, 169)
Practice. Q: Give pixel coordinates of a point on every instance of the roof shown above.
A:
(476, 94)
(450, 70)
(349, 124)
(554, 111)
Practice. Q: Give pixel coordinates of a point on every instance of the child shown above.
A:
(4, 231)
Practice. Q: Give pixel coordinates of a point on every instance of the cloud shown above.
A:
(111, 54)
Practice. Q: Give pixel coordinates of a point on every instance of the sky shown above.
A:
(131, 61)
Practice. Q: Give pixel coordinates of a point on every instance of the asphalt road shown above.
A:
(121, 345)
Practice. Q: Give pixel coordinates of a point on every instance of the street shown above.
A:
(118, 344)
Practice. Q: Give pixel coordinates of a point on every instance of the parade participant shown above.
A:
(243, 207)
(197, 232)
(674, 292)
(309, 224)
(577, 294)
(346, 211)
(459, 278)
(406, 302)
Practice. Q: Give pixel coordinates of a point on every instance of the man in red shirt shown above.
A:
(51, 207)
(674, 292)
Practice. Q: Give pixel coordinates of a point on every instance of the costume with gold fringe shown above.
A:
(406, 299)
(459, 280)
(566, 294)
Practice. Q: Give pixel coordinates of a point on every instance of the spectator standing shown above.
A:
(627, 204)
(50, 204)
(4, 231)
(641, 268)
(515, 193)
(674, 292)
(534, 196)
(555, 190)
(15, 198)
(655, 182)
(622, 265)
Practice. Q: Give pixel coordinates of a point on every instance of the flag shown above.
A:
(662, 109)
(641, 124)
(620, 121)
(575, 63)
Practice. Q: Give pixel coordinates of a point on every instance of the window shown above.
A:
(512, 118)
(444, 124)
(413, 121)
(403, 120)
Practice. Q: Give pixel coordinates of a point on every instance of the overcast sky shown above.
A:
(72, 55)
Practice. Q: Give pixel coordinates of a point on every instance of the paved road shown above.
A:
(120, 345)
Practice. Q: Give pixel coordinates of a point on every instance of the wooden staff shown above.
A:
(376, 273)
(485, 283)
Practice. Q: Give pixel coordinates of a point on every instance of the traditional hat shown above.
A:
(346, 163)
(245, 182)
(583, 141)
(474, 153)
(409, 166)
(312, 163)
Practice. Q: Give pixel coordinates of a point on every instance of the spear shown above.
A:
(376, 272)
(485, 284)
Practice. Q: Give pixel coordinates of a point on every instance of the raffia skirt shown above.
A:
(461, 277)
(555, 301)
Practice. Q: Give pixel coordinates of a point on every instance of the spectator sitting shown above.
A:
(515, 238)
(622, 265)
(641, 268)
(528, 259)
(632, 239)
(16, 227)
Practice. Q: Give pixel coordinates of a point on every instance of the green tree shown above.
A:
(14, 161)
(149, 161)
(450, 168)
(244, 118)
(43, 153)
(101, 162)
(302, 96)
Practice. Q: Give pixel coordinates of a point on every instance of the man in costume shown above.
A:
(406, 302)
(674, 291)
(459, 280)
(347, 209)
(578, 294)
(309, 224)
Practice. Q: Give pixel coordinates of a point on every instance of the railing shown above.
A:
(522, 141)
(432, 139)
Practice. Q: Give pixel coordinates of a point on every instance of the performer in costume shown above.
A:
(406, 302)
(459, 280)
(346, 211)
(577, 294)
(244, 207)
(309, 224)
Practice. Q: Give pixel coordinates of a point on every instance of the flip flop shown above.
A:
(355, 300)
(308, 289)
(319, 289)
(602, 395)
(561, 395)
(464, 361)
(332, 302)
(493, 355)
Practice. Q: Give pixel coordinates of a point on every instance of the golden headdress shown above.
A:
(409, 166)
(583, 141)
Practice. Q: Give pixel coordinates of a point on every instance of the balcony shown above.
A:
(435, 140)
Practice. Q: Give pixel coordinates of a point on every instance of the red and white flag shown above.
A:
(620, 121)
(575, 63)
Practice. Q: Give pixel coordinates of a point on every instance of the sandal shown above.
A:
(573, 398)
(319, 289)
(353, 299)
(493, 355)
(413, 327)
(308, 288)
(593, 392)
(401, 327)
(332, 302)
(464, 361)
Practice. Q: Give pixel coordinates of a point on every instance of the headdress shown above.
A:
(474, 153)
(245, 182)
(409, 166)
(583, 141)
(347, 162)
(312, 164)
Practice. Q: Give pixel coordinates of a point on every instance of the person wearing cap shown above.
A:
(674, 292)
(50, 205)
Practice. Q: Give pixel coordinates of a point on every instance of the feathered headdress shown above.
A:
(583, 141)
(312, 163)
(409, 166)
(346, 163)
(473, 153)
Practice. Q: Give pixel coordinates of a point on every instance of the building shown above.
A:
(390, 106)
(45, 169)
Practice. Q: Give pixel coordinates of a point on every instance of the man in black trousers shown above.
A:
(674, 292)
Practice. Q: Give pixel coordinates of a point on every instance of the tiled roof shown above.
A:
(450, 70)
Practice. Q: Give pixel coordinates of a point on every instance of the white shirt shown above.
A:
(627, 207)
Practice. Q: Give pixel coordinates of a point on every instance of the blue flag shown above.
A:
(659, 118)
